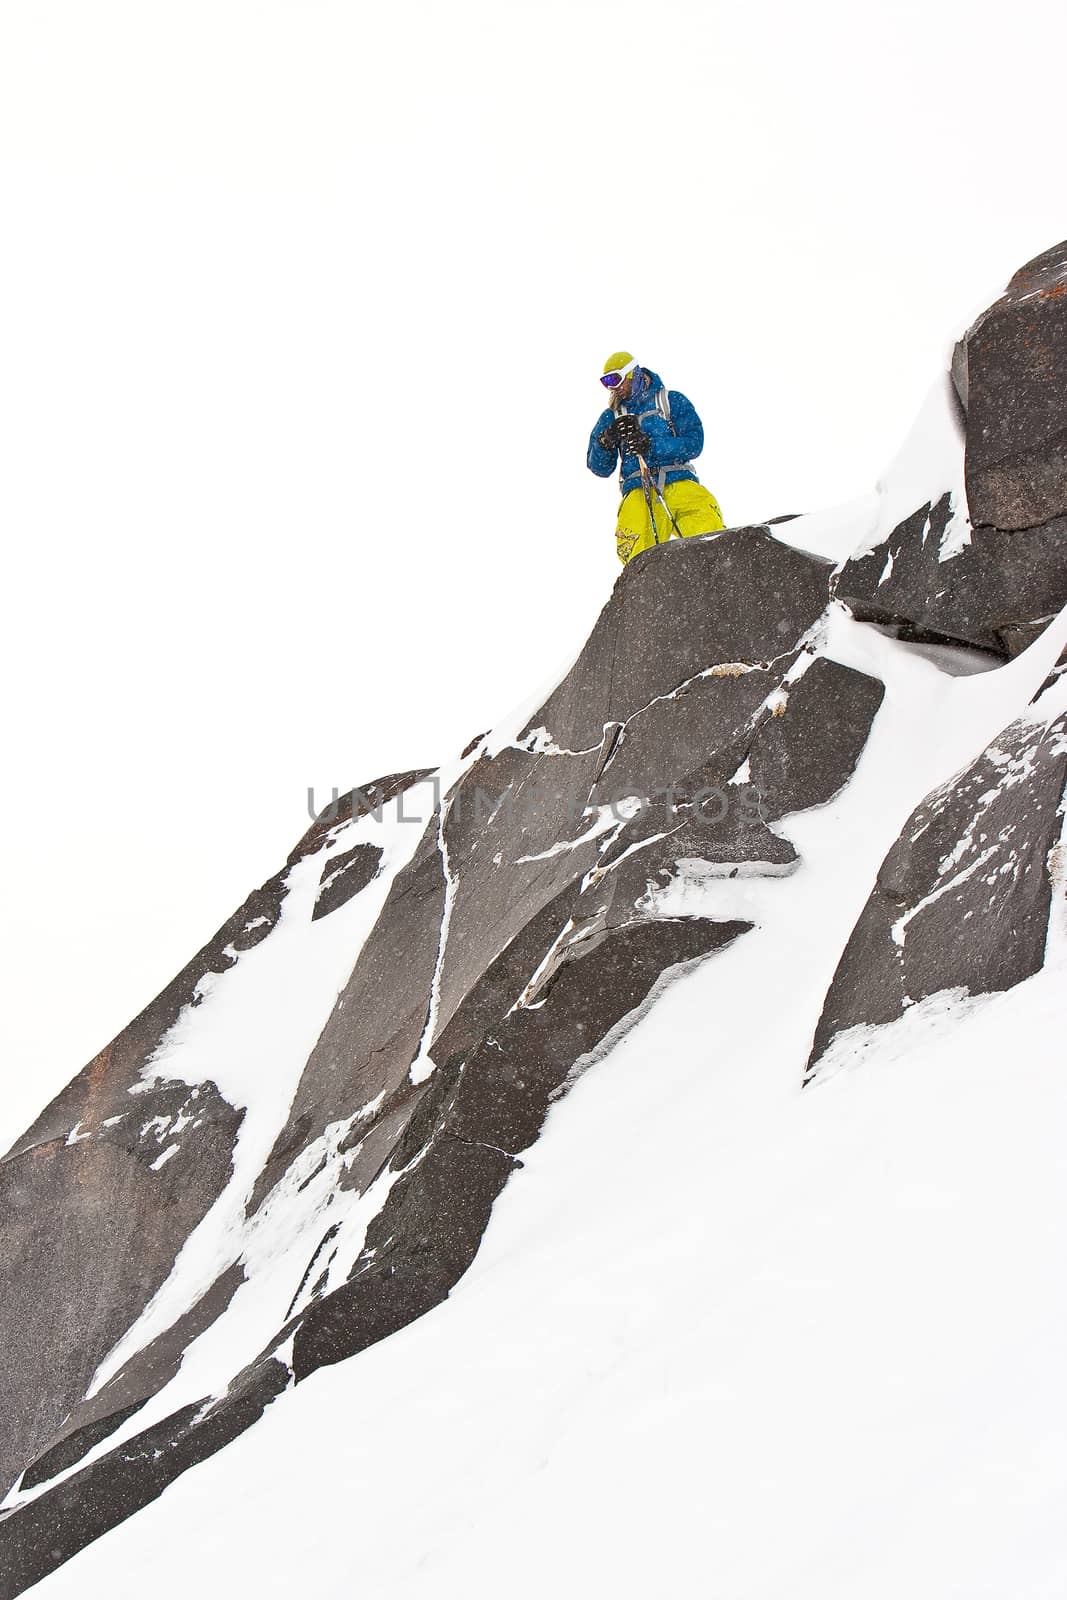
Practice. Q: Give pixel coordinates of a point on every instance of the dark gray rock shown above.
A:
(476, 1115)
(63, 1520)
(706, 722)
(344, 876)
(514, 837)
(805, 754)
(998, 593)
(1010, 374)
(92, 1225)
(435, 1224)
(962, 899)
(703, 831)
(507, 1085)
(506, 868)
(91, 1230)
(744, 597)
(373, 1033)
(1010, 370)
(76, 1443)
(504, 978)
(552, 938)
(140, 1378)
(361, 802)
(526, 933)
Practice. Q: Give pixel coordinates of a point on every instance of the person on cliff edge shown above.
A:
(654, 435)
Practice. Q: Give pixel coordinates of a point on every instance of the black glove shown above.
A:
(609, 439)
(632, 438)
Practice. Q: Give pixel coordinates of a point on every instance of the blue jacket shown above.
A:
(674, 444)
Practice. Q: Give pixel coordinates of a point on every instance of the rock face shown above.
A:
(1010, 370)
(998, 592)
(445, 953)
(519, 939)
(995, 587)
(961, 902)
(100, 1194)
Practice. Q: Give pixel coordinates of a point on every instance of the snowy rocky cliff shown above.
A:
(806, 780)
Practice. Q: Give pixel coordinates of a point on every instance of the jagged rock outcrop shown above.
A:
(520, 937)
(961, 902)
(989, 568)
(998, 592)
(1010, 371)
(299, 1144)
(100, 1194)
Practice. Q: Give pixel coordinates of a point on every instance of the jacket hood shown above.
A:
(647, 396)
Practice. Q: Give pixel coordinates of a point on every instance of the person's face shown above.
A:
(625, 388)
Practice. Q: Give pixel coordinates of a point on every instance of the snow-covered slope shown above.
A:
(723, 1335)
(724, 1331)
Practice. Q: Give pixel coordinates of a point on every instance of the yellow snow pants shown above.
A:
(694, 508)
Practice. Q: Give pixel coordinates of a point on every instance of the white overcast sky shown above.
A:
(303, 309)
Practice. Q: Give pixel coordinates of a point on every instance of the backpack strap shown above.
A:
(661, 407)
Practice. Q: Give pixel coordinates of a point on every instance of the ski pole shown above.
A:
(646, 478)
(646, 486)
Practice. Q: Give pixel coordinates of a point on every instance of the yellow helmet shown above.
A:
(617, 367)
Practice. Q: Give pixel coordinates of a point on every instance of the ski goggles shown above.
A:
(612, 380)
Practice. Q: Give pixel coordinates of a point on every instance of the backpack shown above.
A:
(660, 407)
